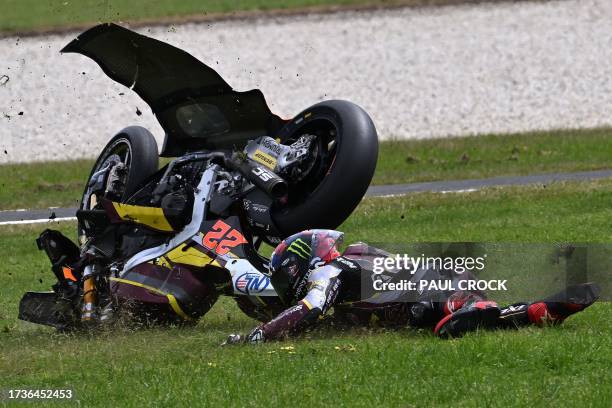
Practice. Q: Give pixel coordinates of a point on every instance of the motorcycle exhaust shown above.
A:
(259, 175)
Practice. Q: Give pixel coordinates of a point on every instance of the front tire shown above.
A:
(136, 148)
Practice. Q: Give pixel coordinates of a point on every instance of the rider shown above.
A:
(310, 276)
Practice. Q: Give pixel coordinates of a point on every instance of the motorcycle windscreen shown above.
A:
(196, 108)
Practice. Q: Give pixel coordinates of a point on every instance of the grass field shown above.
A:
(562, 366)
(40, 185)
(31, 15)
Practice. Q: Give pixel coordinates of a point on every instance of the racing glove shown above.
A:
(234, 339)
(256, 336)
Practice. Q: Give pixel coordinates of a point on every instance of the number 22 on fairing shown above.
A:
(222, 237)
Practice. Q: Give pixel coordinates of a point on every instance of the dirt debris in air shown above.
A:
(412, 94)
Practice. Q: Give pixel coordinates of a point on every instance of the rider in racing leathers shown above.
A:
(310, 275)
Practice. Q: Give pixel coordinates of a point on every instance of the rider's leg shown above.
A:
(552, 310)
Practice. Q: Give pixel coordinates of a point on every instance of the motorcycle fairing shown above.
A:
(184, 281)
(47, 308)
(187, 296)
(151, 217)
(196, 108)
(191, 255)
(223, 238)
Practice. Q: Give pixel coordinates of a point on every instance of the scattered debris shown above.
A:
(138, 112)
(20, 113)
(4, 79)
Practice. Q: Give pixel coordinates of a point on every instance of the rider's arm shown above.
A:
(323, 288)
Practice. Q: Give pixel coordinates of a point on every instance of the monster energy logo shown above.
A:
(300, 248)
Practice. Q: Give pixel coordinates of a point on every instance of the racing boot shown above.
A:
(473, 313)
(552, 310)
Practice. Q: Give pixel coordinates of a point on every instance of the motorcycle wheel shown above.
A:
(344, 166)
(133, 146)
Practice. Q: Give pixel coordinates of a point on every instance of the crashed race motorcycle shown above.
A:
(161, 245)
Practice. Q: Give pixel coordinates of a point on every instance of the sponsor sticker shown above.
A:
(251, 283)
(265, 159)
(270, 144)
(347, 262)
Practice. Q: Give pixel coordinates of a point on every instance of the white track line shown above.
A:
(38, 221)
(441, 187)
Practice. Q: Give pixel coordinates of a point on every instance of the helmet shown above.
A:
(296, 256)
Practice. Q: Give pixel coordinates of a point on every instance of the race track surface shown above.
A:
(428, 72)
(68, 214)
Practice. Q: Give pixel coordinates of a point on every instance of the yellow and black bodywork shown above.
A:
(184, 283)
(178, 286)
(155, 218)
(181, 285)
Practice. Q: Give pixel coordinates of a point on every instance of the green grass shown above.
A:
(562, 366)
(494, 155)
(565, 366)
(27, 15)
(40, 185)
(558, 212)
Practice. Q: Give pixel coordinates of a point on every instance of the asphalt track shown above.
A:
(16, 217)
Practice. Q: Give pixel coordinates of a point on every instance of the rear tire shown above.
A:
(348, 174)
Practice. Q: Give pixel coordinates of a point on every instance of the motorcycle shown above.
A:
(162, 244)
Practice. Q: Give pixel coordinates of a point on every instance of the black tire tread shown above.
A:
(342, 190)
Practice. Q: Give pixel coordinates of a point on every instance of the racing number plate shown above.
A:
(222, 238)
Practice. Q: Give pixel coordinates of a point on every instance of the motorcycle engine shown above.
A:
(174, 193)
(292, 162)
